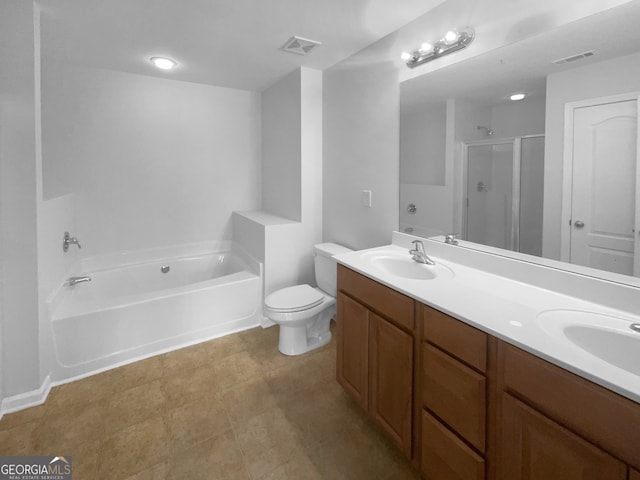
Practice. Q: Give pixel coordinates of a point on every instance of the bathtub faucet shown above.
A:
(75, 280)
(69, 240)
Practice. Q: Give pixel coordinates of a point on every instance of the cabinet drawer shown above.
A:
(391, 304)
(595, 413)
(455, 393)
(444, 456)
(459, 339)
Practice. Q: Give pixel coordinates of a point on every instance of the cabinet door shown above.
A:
(533, 447)
(353, 344)
(391, 377)
(634, 475)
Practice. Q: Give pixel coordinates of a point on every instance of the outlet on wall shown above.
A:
(366, 198)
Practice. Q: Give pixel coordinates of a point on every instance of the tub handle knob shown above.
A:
(69, 240)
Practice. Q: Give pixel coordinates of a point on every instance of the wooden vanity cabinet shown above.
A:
(554, 424)
(467, 406)
(454, 398)
(376, 352)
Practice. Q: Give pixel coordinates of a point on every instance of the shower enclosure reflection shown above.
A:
(503, 194)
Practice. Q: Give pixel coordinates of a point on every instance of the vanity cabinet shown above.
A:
(376, 352)
(553, 423)
(465, 405)
(454, 398)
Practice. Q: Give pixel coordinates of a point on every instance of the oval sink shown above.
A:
(614, 347)
(403, 266)
(609, 338)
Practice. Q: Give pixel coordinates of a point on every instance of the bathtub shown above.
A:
(143, 304)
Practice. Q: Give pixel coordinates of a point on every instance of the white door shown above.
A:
(603, 204)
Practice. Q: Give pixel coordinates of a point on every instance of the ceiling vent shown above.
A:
(573, 58)
(299, 45)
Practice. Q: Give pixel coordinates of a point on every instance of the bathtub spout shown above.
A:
(74, 280)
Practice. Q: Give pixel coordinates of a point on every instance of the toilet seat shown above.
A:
(294, 299)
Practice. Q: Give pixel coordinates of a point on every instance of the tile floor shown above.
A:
(231, 408)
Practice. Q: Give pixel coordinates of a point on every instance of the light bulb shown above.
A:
(163, 63)
(451, 36)
(517, 96)
(406, 56)
(426, 47)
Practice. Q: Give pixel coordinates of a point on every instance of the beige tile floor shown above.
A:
(231, 408)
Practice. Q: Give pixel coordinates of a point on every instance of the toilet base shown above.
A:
(299, 339)
(294, 340)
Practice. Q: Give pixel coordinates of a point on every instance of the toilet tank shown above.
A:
(326, 266)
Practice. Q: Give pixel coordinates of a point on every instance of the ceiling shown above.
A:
(228, 43)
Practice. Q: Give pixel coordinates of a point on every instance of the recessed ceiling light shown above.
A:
(517, 96)
(163, 63)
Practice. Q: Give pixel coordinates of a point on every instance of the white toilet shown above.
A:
(304, 312)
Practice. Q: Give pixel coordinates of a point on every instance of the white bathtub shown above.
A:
(134, 310)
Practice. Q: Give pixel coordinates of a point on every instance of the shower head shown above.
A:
(488, 132)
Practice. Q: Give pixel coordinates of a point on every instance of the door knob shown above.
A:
(578, 224)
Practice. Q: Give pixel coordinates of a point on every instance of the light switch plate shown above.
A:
(366, 198)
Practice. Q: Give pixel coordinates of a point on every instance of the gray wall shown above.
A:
(281, 147)
(19, 179)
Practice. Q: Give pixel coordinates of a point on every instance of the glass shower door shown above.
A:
(490, 218)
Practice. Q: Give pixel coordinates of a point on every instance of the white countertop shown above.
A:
(510, 308)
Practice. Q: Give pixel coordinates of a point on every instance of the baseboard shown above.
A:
(266, 323)
(27, 399)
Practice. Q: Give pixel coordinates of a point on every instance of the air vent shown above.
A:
(574, 58)
(299, 45)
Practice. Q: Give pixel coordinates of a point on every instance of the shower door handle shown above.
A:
(578, 224)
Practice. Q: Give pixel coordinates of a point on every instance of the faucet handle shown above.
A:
(451, 238)
(67, 240)
(419, 247)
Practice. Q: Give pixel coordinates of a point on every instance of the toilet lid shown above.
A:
(291, 299)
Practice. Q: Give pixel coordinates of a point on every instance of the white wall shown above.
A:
(281, 144)
(18, 199)
(283, 244)
(620, 75)
(422, 144)
(515, 119)
(361, 137)
(152, 162)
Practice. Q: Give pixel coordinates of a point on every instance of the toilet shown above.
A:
(304, 312)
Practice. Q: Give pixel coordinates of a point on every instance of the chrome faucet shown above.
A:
(419, 255)
(69, 240)
(75, 280)
(451, 239)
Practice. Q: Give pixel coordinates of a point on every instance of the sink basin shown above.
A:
(403, 266)
(609, 338)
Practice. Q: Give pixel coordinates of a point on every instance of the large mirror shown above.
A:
(553, 176)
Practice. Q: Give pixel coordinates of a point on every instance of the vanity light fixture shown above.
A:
(163, 63)
(517, 96)
(452, 41)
